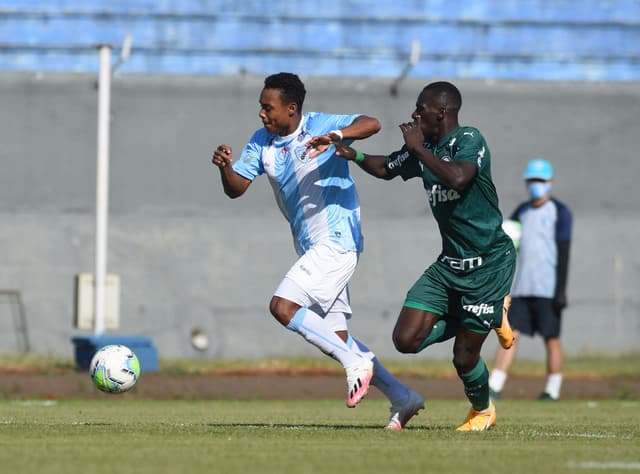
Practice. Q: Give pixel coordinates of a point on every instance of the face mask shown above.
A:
(538, 189)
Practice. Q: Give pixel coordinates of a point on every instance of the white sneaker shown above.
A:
(402, 412)
(358, 379)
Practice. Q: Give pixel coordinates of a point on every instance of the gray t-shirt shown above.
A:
(542, 228)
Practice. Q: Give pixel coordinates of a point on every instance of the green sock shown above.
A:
(476, 386)
(443, 330)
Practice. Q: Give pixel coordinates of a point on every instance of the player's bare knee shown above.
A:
(405, 344)
(277, 309)
(281, 310)
(465, 362)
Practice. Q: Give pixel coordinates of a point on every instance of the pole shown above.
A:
(414, 57)
(102, 186)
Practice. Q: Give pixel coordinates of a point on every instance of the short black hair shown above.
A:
(290, 86)
(450, 93)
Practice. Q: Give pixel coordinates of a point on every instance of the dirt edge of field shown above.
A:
(287, 385)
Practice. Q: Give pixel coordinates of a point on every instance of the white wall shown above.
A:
(188, 256)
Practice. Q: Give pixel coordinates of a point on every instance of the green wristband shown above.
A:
(359, 158)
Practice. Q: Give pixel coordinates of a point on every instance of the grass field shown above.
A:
(151, 436)
(597, 365)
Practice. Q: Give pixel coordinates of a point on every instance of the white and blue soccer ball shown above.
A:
(114, 368)
(513, 229)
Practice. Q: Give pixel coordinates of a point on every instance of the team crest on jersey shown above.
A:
(302, 153)
(302, 136)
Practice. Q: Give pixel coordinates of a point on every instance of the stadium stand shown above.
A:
(585, 40)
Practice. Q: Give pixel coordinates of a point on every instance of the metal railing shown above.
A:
(14, 299)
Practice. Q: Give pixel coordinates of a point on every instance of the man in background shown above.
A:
(539, 289)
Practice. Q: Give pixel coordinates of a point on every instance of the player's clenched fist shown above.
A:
(222, 156)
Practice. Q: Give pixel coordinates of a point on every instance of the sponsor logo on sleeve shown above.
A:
(397, 162)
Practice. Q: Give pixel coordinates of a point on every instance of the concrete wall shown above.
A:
(500, 39)
(188, 256)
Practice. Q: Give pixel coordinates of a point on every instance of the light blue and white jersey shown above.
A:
(317, 196)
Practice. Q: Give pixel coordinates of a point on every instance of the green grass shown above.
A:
(625, 365)
(271, 437)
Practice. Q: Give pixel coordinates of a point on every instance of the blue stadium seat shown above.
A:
(536, 39)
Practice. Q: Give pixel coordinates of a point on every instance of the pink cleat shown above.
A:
(358, 379)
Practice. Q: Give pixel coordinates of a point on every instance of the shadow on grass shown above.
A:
(323, 426)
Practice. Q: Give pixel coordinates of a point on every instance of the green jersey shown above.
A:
(470, 222)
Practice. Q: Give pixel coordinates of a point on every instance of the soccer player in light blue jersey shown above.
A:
(317, 196)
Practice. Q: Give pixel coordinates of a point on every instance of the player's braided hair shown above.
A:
(290, 86)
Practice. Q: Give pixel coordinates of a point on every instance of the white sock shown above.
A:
(382, 379)
(554, 383)
(314, 329)
(497, 379)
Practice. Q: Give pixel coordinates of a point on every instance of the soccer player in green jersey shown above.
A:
(465, 292)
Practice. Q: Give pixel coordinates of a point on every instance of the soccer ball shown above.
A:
(514, 230)
(114, 368)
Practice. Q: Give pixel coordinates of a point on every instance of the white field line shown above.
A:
(576, 435)
(628, 465)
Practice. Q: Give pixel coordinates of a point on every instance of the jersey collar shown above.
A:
(278, 140)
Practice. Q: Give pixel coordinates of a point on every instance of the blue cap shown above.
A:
(539, 169)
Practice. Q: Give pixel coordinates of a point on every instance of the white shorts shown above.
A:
(318, 280)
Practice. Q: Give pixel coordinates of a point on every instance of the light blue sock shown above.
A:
(314, 329)
(382, 379)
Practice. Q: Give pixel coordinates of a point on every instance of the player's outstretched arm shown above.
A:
(372, 164)
(362, 127)
(233, 184)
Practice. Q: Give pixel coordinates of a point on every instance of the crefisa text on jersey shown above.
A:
(479, 308)
(439, 194)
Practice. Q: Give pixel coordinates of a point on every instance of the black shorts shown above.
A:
(531, 315)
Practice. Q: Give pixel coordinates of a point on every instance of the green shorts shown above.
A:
(474, 299)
